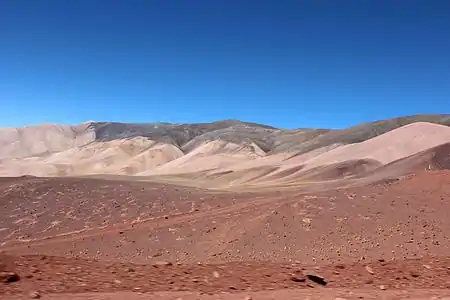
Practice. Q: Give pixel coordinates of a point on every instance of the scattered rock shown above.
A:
(297, 277)
(369, 270)
(34, 295)
(317, 279)
(8, 277)
(162, 264)
(414, 274)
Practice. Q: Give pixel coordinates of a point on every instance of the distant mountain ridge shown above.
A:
(154, 148)
(188, 136)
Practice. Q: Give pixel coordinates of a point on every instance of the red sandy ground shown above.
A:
(398, 228)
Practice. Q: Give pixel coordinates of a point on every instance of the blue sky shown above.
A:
(284, 63)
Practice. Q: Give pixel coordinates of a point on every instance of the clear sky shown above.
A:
(299, 63)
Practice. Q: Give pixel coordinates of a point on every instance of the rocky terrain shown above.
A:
(103, 236)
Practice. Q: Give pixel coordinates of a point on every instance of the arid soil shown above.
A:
(300, 294)
(74, 235)
(142, 222)
(65, 275)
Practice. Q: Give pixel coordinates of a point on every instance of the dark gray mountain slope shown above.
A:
(177, 134)
(269, 139)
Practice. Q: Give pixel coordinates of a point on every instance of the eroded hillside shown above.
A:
(223, 154)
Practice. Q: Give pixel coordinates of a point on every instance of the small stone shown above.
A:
(116, 281)
(8, 277)
(317, 279)
(382, 287)
(297, 278)
(427, 267)
(34, 295)
(129, 270)
(248, 298)
(216, 274)
(369, 270)
(162, 264)
(414, 274)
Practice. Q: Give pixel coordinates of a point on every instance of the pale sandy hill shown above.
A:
(388, 147)
(267, 169)
(210, 155)
(264, 168)
(54, 150)
(158, 155)
(296, 163)
(128, 156)
(42, 139)
(436, 158)
(269, 160)
(342, 161)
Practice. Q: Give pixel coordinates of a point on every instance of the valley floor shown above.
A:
(134, 239)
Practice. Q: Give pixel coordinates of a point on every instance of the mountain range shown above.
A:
(227, 153)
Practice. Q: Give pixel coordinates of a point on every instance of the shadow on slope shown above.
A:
(436, 158)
